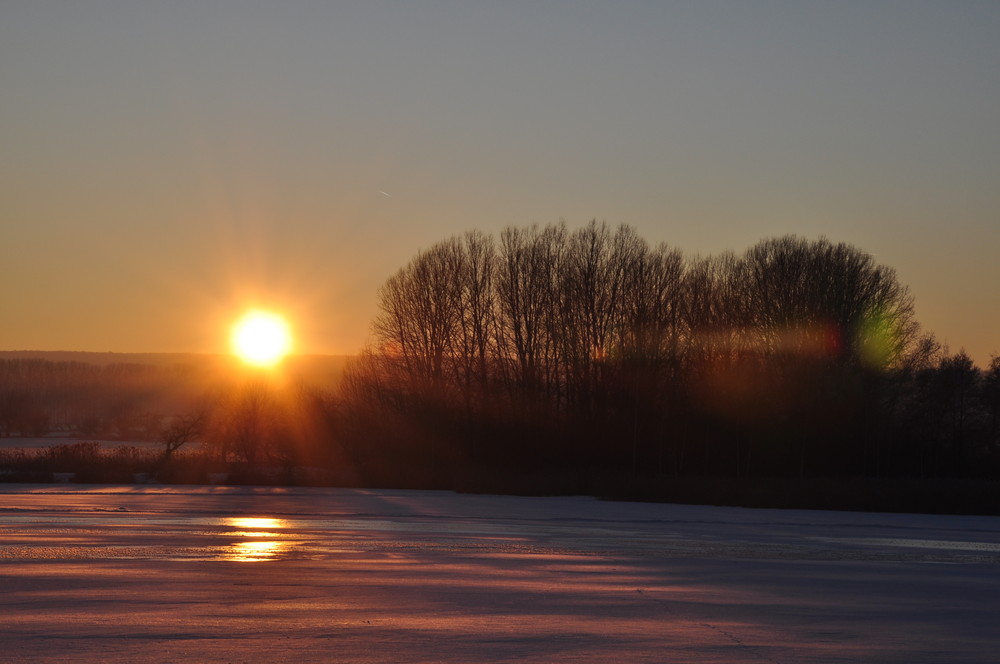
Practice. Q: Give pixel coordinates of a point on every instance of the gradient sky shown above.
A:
(163, 165)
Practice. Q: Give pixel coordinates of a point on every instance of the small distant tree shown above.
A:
(179, 431)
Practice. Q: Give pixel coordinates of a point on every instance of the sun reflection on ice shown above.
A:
(246, 552)
(256, 523)
(254, 550)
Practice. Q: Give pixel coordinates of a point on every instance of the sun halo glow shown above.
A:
(261, 338)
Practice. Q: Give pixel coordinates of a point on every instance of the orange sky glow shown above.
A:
(165, 168)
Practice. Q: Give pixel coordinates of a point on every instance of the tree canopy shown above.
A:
(577, 338)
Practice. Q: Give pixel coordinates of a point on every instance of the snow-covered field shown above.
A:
(226, 574)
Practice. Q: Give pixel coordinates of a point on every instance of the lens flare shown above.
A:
(878, 339)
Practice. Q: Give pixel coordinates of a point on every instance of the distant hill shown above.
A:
(313, 368)
(103, 359)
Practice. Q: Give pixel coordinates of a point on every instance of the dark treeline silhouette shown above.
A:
(590, 354)
(546, 360)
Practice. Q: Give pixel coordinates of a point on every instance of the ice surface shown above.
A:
(226, 574)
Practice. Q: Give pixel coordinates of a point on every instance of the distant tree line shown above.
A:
(592, 353)
(117, 401)
(240, 422)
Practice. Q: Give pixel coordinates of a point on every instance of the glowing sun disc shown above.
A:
(261, 338)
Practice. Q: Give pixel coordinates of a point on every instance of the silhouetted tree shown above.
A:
(590, 350)
(180, 431)
(991, 400)
(957, 382)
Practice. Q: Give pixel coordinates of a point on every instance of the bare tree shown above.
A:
(833, 299)
(420, 312)
(735, 356)
(527, 292)
(478, 323)
(181, 430)
(991, 398)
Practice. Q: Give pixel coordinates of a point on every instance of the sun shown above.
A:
(261, 338)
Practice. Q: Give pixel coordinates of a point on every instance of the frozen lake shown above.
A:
(234, 574)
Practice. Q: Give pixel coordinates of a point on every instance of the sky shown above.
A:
(165, 165)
